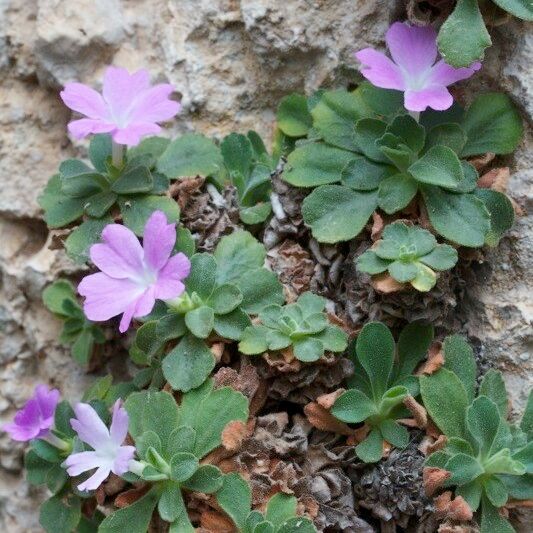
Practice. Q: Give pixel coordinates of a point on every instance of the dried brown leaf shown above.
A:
(495, 179)
(482, 161)
(327, 400)
(386, 284)
(434, 361)
(215, 522)
(130, 496)
(417, 410)
(433, 478)
(322, 419)
(233, 435)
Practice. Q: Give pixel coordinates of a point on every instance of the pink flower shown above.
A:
(413, 69)
(36, 418)
(132, 276)
(129, 108)
(108, 454)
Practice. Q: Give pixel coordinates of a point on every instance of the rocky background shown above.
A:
(231, 61)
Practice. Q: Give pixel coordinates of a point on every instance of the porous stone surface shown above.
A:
(231, 61)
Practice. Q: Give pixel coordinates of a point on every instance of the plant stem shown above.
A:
(415, 115)
(117, 154)
(58, 443)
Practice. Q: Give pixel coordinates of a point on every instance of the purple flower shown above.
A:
(108, 454)
(36, 418)
(413, 69)
(129, 107)
(133, 277)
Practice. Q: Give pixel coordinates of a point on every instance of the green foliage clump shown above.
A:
(382, 380)
(302, 325)
(410, 254)
(489, 459)
(363, 152)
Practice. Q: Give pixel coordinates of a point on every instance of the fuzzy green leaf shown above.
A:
(501, 214)
(370, 450)
(438, 166)
(83, 237)
(137, 210)
(396, 192)
(235, 498)
(293, 116)
(207, 479)
(361, 174)
(60, 516)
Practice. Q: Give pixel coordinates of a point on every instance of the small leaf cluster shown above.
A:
(222, 290)
(362, 152)
(80, 333)
(235, 499)
(171, 440)
(382, 380)
(463, 37)
(489, 459)
(410, 254)
(302, 325)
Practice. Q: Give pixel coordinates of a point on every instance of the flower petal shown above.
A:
(158, 241)
(145, 302)
(131, 134)
(127, 316)
(89, 426)
(83, 99)
(47, 400)
(413, 48)
(444, 74)
(169, 282)
(106, 297)
(78, 463)
(85, 126)
(124, 456)
(119, 424)
(125, 244)
(438, 98)
(154, 105)
(121, 88)
(19, 432)
(380, 70)
(95, 480)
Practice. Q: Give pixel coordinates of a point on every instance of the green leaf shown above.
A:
(308, 349)
(255, 214)
(459, 358)
(232, 325)
(370, 450)
(493, 387)
(100, 151)
(83, 237)
(260, 287)
(190, 155)
(280, 508)
(383, 102)
(425, 278)
(153, 146)
(483, 421)
(225, 298)
(336, 213)
(375, 352)
(447, 134)
(367, 132)
(254, 340)
(446, 401)
(207, 479)
(471, 492)
(59, 209)
(501, 214)
(137, 210)
(371, 263)
(60, 516)
(522, 9)
(396, 192)
(237, 153)
(315, 164)
(362, 174)
(333, 338)
(519, 487)
(182, 466)
(189, 364)
(496, 491)
(335, 115)
(55, 295)
(402, 271)
(297, 524)
(353, 406)
(200, 321)
(463, 37)
(236, 254)
(99, 204)
(464, 469)
(492, 124)
(235, 499)
(408, 130)
(443, 257)
(438, 166)
(392, 432)
(134, 180)
(413, 345)
(171, 504)
(201, 279)
(135, 518)
(491, 520)
(293, 116)
(36, 468)
(460, 218)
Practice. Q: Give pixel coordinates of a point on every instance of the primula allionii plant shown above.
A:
(487, 459)
(382, 380)
(235, 499)
(108, 453)
(132, 276)
(410, 254)
(128, 108)
(412, 69)
(302, 325)
(36, 417)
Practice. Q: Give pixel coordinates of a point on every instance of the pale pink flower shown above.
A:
(36, 417)
(128, 108)
(108, 454)
(413, 69)
(132, 276)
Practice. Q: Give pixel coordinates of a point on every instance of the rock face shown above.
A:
(231, 60)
